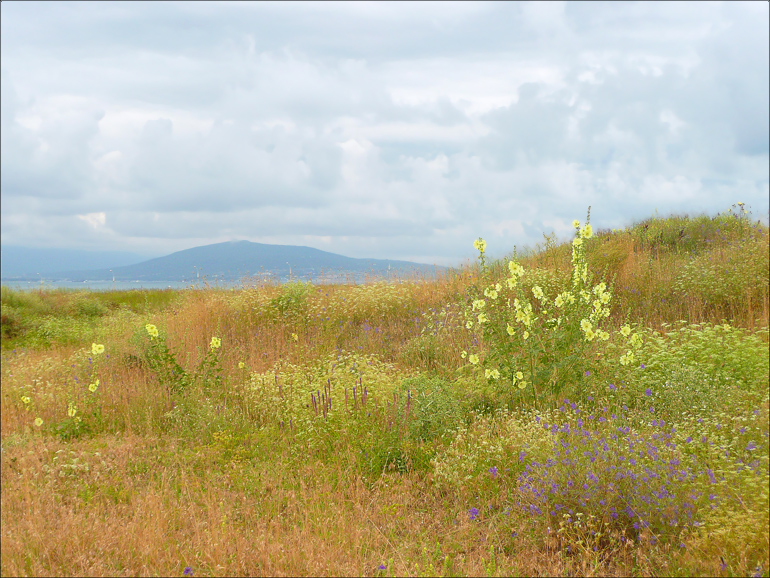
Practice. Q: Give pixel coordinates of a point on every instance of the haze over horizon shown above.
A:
(374, 130)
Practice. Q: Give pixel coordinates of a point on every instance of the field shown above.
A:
(598, 407)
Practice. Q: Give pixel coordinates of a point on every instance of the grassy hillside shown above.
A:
(593, 407)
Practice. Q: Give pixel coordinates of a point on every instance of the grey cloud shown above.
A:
(378, 130)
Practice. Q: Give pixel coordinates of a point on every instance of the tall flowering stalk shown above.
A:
(163, 361)
(534, 340)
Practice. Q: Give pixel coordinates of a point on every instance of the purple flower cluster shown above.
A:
(632, 481)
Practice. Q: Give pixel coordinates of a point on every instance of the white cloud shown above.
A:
(401, 130)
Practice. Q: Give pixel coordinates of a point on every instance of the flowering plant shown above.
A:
(163, 361)
(536, 341)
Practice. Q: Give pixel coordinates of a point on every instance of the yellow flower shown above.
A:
(590, 335)
(468, 324)
(25, 400)
(519, 375)
(480, 245)
(587, 232)
(576, 224)
(473, 358)
(525, 335)
(510, 330)
(152, 330)
(295, 337)
(604, 336)
(559, 301)
(605, 298)
(585, 325)
(241, 365)
(625, 330)
(216, 343)
(511, 282)
(522, 384)
(479, 304)
(577, 242)
(515, 268)
(38, 422)
(464, 354)
(96, 349)
(72, 410)
(493, 373)
(94, 386)
(537, 292)
(483, 318)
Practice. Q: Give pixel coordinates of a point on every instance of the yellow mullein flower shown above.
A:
(576, 224)
(577, 242)
(72, 410)
(216, 343)
(625, 330)
(480, 245)
(96, 349)
(483, 318)
(295, 337)
(152, 330)
(515, 268)
(537, 292)
(25, 400)
(590, 335)
(604, 336)
(479, 304)
(473, 358)
(510, 330)
(241, 365)
(525, 335)
(585, 325)
(38, 422)
(493, 373)
(587, 232)
(468, 324)
(464, 354)
(636, 340)
(605, 298)
(559, 301)
(94, 386)
(511, 282)
(522, 384)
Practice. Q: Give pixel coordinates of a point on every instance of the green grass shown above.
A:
(338, 429)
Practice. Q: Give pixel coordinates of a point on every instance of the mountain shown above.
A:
(28, 262)
(234, 260)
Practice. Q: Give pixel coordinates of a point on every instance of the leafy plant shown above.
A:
(535, 339)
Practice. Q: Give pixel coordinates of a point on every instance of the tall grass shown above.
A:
(338, 429)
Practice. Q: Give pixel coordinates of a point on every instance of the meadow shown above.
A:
(593, 407)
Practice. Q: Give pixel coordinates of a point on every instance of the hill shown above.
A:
(234, 260)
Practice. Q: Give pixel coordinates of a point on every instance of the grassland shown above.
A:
(338, 429)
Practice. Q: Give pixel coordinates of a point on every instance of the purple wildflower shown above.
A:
(493, 471)
(473, 513)
(187, 571)
(648, 392)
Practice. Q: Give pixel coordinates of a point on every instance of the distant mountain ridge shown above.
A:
(233, 260)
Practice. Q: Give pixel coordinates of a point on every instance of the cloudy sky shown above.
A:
(395, 130)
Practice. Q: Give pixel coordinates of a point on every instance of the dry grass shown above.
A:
(163, 481)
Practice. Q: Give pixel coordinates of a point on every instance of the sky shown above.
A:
(380, 130)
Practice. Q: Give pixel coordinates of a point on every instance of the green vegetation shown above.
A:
(596, 407)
